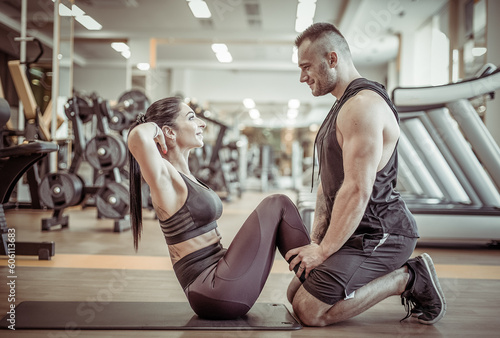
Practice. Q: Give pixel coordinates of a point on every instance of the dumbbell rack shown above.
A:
(106, 153)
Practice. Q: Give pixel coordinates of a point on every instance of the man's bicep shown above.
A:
(362, 146)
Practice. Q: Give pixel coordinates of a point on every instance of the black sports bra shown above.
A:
(197, 216)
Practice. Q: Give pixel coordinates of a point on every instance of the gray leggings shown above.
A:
(229, 288)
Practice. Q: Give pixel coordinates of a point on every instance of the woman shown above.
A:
(219, 283)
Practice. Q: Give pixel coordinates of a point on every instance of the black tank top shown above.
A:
(386, 211)
(197, 216)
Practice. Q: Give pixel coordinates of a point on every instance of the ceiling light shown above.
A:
(86, 20)
(199, 9)
(219, 47)
(295, 55)
(120, 46)
(89, 22)
(64, 10)
(249, 103)
(126, 54)
(478, 51)
(292, 113)
(302, 23)
(143, 66)
(224, 57)
(293, 104)
(221, 52)
(254, 113)
(306, 9)
(305, 14)
(77, 11)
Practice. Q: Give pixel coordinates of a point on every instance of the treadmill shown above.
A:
(449, 164)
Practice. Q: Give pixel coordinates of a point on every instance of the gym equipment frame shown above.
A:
(449, 142)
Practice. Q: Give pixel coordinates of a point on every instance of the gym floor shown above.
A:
(90, 256)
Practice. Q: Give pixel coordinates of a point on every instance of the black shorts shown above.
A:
(362, 259)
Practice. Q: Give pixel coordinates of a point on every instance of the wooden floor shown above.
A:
(90, 256)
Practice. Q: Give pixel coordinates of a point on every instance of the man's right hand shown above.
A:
(308, 257)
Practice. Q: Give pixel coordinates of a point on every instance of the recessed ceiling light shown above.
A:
(199, 9)
(292, 113)
(89, 22)
(119, 46)
(249, 103)
(254, 113)
(478, 51)
(219, 47)
(143, 66)
(293, 103)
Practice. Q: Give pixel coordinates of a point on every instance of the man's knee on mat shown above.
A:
(293, 287)
(310, 310)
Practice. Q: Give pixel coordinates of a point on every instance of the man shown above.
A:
(363, 233)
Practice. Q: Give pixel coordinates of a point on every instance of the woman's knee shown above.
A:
(277, 201)
(278, 198)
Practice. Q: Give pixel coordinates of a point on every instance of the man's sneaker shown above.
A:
(416, 311)
(424, 297)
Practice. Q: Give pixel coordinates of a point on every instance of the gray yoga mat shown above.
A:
(141, 316)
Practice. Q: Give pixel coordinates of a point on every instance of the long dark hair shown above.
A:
(162, 112)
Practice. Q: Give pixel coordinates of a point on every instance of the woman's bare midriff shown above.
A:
(182, 249)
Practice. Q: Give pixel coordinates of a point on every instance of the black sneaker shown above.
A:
(424, 298)
(416, 311)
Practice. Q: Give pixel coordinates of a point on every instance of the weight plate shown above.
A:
(138, 102)
(105, 152)
(112, 200)
(119, 120)
(82, 105)
(61, 190)
(104, 179)
(85, 110)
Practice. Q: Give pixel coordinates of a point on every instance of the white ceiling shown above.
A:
(259, 33)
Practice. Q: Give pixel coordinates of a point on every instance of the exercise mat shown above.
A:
(140, 316)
